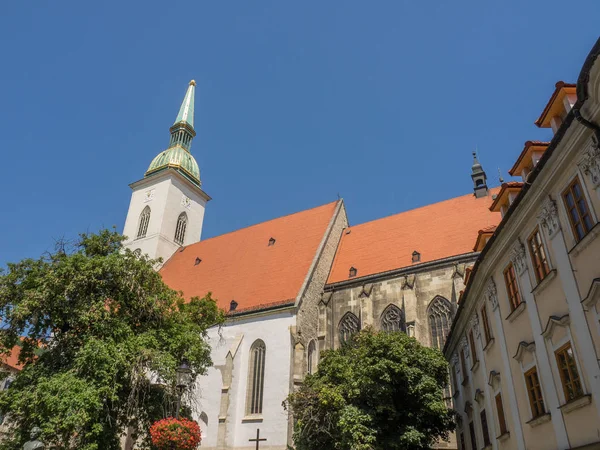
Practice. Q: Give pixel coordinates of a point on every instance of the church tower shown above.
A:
(167, 205)
(479, 177)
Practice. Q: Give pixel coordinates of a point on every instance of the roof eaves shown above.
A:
(557, 88)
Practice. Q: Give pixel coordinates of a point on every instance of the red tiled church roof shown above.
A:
(436, 231)
(12, 360)
(242, 266)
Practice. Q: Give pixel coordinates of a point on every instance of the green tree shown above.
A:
(380, 391)
(101, 337)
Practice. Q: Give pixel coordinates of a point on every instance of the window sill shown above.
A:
(586, 240)
(504, 436)
(517, 311)
(489, 344)
(544, 283)
(475, 366)
(543, 418)
(252, 419)
(576, 403)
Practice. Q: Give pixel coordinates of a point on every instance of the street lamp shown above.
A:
(184, 378)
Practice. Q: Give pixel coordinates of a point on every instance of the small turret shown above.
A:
(479, 178)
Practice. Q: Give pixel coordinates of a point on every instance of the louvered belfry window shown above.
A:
(144, 221)
(256, 378)
(440, 317)
(392, 319)
(180, 229)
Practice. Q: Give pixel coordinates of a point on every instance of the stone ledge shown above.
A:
(542, 418)
(489, 344)
(586, 241)
(252, 419)
(504, 436)
(517, 311)
(544, 283)
(576, 403)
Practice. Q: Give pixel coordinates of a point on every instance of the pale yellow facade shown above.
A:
(524, 345)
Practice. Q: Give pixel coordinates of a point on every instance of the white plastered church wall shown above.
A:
(167, 194)
(274, 330)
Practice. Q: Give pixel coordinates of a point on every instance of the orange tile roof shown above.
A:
(12, 360)
(436, 231)
(559, 88)
(242, 266)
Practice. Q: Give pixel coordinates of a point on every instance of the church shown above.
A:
(297, 285)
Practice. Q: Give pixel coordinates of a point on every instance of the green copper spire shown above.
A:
(186, 112)
(178, 155)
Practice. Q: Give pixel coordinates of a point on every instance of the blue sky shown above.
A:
(382, 102)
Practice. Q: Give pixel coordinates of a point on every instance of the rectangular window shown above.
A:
(486, 324)
(500, 410)
(472, 433)
(569, 376)
(535, 392)
(538, 255)
(472, 346)
(484, 429)
(512, 288)
(577, 209)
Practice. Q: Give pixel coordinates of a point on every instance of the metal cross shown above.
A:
(258, 439)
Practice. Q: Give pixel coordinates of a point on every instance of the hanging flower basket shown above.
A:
(175, 434)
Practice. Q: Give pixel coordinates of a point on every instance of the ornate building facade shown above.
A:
(524, 346)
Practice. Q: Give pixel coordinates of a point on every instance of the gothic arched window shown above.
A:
(256, 378)
(180, 229)
(348, 326)
(392, 319)
(144, 221)
(440, 317)
(312, 357)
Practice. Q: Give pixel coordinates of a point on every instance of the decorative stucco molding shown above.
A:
(593, 294)
(548, 217)
(475, 325)
(517, 256)
(408, 281)
(494, 379)
(590, 163)
(465, 346)
(554, 322)
(522, 348)
(491, 293)
(479, 396)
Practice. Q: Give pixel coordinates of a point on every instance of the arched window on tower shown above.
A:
(256, 378)
(313, 357)
(348, 326)
(144, 221)
(180, 229)
(440, 317)
(392, 319)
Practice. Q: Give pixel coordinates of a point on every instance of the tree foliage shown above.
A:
(101, 337)
(379, 391)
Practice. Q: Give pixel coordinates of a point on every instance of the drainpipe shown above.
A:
(586, 123)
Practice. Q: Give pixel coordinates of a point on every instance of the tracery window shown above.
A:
(256, 378)
(180, 229)
(440, 318)
(392, 319)
(348, 326)
(144, 220)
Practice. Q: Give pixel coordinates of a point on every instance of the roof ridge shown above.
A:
(419, 207)
(261, 223)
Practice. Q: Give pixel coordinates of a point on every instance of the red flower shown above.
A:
(175, 434)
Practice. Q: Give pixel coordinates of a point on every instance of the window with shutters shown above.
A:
(440, 315)
(577, 210)
(256, 378)
(143, 224)
(180, 228)
(392, 319)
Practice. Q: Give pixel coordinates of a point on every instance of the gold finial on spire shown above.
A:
(193, 83)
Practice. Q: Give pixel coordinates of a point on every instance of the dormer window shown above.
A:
(198, 261)
(416, 257)
(352, 273)
(507, 195)
(559, 105)
(530, 155)
(271, 242)
(233, 305)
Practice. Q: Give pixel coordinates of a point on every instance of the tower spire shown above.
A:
(479, 178)
(182, 131)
